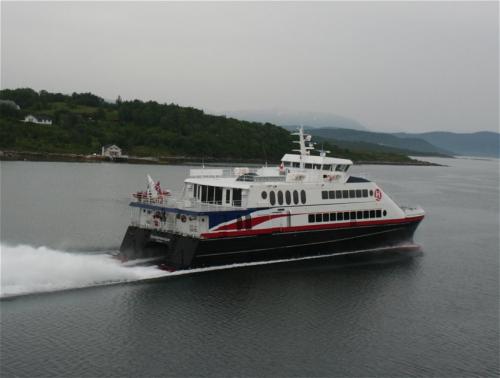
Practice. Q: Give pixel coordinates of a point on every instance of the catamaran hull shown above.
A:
(180, 252)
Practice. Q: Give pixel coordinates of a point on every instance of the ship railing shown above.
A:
(189, 204)
(222, 172)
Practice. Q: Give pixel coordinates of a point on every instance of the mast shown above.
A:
(304, 149)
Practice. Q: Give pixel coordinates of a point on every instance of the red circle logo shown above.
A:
(378, 194)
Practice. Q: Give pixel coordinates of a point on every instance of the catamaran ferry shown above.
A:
(309, 205)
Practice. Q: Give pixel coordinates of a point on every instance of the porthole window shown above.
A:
(303, 196)
(272, 198)
(288, 197)
(371, 193)
(280, 197)
(385, 213)
(264, 195)
(295, 197)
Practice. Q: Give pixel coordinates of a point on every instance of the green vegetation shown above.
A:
(83, 122)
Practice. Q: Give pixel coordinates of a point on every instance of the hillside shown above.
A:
(83, 122)
(483, 143)
(285, 118)
(377, 142)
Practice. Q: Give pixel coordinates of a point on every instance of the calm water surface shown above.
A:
(431, 313)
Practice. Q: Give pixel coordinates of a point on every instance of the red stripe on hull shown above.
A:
(255, 221)
(249, 232)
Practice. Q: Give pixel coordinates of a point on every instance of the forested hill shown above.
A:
(83, 122)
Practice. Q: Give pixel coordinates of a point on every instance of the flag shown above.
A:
(158, 188)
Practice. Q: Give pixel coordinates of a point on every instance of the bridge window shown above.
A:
(288, 197)
(287, 164)
(365, 192)
(272, 198)
(280, 197)
(303, 196)
(358, 193)
(295, 197)
(195, 190)
(308, 166)
(204, 193)
(228, 195)
(296, 165)
(352, 193)
(345, 194)
(237, 197)
(218, 196)
(210, 196)
(338, 194)
(327, 167)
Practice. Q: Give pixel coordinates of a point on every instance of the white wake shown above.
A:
(26, 269)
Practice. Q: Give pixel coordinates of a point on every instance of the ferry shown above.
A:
(309, 205)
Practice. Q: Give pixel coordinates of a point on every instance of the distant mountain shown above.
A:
(379, 141)
(288, 117)
(483, 143)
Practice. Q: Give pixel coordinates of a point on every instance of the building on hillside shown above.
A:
(111, 150)
(40, 120)
(10, 103)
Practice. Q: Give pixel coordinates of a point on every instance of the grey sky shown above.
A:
(393, 66)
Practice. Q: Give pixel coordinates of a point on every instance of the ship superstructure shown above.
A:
(308, 205)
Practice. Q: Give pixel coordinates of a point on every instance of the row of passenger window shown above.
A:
(287, 197)
(346, 215)
(351, 193)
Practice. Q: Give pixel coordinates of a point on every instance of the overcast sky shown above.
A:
(393, 66)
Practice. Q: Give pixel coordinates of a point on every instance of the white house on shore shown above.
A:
(111, 150)
(40, 120)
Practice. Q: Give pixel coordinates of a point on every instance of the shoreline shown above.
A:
(164, 160)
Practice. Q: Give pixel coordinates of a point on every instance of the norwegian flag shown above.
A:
(158, 188)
